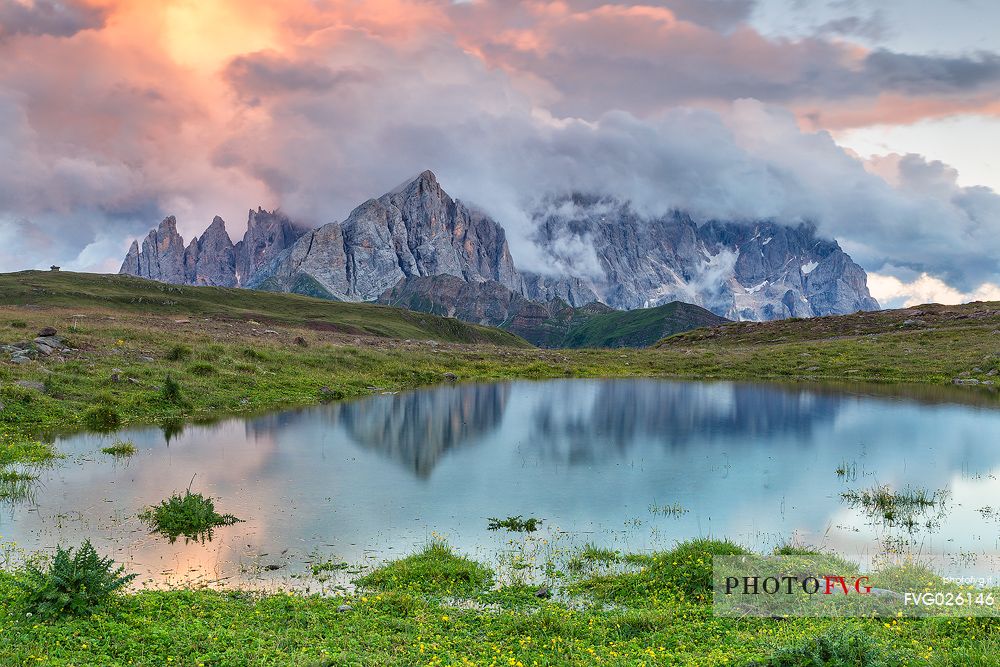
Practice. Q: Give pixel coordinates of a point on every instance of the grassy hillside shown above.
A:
(638, 328)
(135, 295)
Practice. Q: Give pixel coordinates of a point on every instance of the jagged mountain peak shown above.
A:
(424, 180)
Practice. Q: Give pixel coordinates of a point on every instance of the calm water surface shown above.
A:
(374, 478)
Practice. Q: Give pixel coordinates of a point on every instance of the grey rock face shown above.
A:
(741, 270)
(415, 230)
(211, 259)
(267, 235)
(161, 257)
(543, 289)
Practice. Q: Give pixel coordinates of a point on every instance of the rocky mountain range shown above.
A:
(756, 270)
(213, 259)
(598, 250)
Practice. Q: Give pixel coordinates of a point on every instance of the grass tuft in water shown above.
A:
(120, 449)
(674, 510)
(514, 524)
(192, 515)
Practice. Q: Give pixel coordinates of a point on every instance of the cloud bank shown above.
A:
(117, 113)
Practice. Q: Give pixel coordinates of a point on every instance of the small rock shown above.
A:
(148, 360)
(30, 384)
(116, 375)
(991, 372)
(18, 359)
(52, 341)
(812, 368)
(450, 377)
(344, 608)
(2, 406)
(44, 349)
(47, 331)
(301, 342)
(544, 593)
(965, 381)
(134, 381)
(270, 331)
(271, 567)
(182, 321)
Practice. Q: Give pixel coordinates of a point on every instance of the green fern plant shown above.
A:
(74, 584)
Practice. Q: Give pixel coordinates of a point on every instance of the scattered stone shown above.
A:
(345, 608)
(30, 384)
(450, 377)
(182, 321)
(965, 381)
(52, 341)
(271, 567)
(544, 593)
(270, 331)
(44, 349)
(19, 359)
(47, 331)
(301, 342)
(812, 368)
(148, 360)
(991, 372)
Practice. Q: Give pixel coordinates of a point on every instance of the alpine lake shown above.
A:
(325, 492)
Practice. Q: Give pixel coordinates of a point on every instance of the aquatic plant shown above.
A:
(192, 515)
(72, 584)
(674, 510)
(514, 524)
(120, 449)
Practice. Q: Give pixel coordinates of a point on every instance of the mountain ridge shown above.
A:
(595, 249)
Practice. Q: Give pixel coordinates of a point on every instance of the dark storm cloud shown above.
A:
(261, 74)
(47, 17)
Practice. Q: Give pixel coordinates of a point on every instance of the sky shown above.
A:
(878, 120)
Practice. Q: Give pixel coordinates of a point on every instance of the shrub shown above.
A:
(102, 418)
(73, 583)
(191, 515)
(179, 353)
(171, 390)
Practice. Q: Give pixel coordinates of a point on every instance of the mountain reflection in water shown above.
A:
(753, 462)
